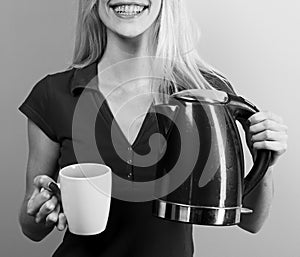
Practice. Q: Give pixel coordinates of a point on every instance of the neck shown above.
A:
(124, 58)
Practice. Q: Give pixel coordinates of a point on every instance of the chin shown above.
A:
(130, 34)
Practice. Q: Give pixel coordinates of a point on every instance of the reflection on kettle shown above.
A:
(203, 158)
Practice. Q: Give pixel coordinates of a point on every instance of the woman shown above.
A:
(112, 39)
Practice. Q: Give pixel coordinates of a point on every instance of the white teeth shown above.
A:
(138, 8)
(128, 9)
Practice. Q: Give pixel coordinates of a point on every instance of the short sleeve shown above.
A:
(36, 107)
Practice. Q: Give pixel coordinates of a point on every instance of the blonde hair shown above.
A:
(172, 38)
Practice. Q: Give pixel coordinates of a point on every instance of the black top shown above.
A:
(131, 231)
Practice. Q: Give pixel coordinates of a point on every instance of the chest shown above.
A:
(90, 136)
(128, 110)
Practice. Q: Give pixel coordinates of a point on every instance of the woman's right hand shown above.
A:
(44, 205)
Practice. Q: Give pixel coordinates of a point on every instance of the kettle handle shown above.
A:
(242, 110)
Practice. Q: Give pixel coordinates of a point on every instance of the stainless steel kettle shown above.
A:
(203, 158)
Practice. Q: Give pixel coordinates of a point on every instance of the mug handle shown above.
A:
(241, 110)
(55, 188)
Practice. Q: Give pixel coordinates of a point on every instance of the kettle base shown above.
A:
(199, 215)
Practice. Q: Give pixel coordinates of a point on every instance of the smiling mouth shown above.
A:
(128, 10)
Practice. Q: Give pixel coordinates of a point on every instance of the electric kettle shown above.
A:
(202, 159)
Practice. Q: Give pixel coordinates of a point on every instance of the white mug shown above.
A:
(86, 196)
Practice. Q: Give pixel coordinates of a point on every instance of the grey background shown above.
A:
(255, 43)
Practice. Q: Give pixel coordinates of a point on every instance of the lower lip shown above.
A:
(134, 16)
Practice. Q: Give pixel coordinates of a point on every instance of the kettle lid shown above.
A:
(202, 95)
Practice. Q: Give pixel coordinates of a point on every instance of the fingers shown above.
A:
(267, 125)
(52, 218)
(268, 132)
(44, 205)
(47, 208)
(269, 135)
(37, 200)
(62, 221)
(275, 146)
(264, 115)
(41, 193)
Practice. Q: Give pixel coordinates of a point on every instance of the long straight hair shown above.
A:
(172, 36)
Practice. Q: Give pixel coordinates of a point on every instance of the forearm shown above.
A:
(259, 200)
(31, 229)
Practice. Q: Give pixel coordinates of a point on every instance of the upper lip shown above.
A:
(127, 3)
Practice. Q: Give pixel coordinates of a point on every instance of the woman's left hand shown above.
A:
(268, 132)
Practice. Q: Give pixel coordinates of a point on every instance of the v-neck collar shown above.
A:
(87, 77)
(108, 114)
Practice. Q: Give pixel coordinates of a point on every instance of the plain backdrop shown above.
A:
(254, 43)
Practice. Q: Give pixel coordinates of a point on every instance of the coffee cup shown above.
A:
(86, 196)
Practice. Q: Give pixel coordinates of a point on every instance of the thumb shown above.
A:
(42, 181)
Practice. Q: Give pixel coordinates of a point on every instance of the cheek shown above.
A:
(104, 14)
(156, 9)
(103, 8)
(158, 4)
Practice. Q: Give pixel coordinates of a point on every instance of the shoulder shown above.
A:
(56, 80)
(60, 80)
(52, 89)
(218, 81)
(55, 85)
